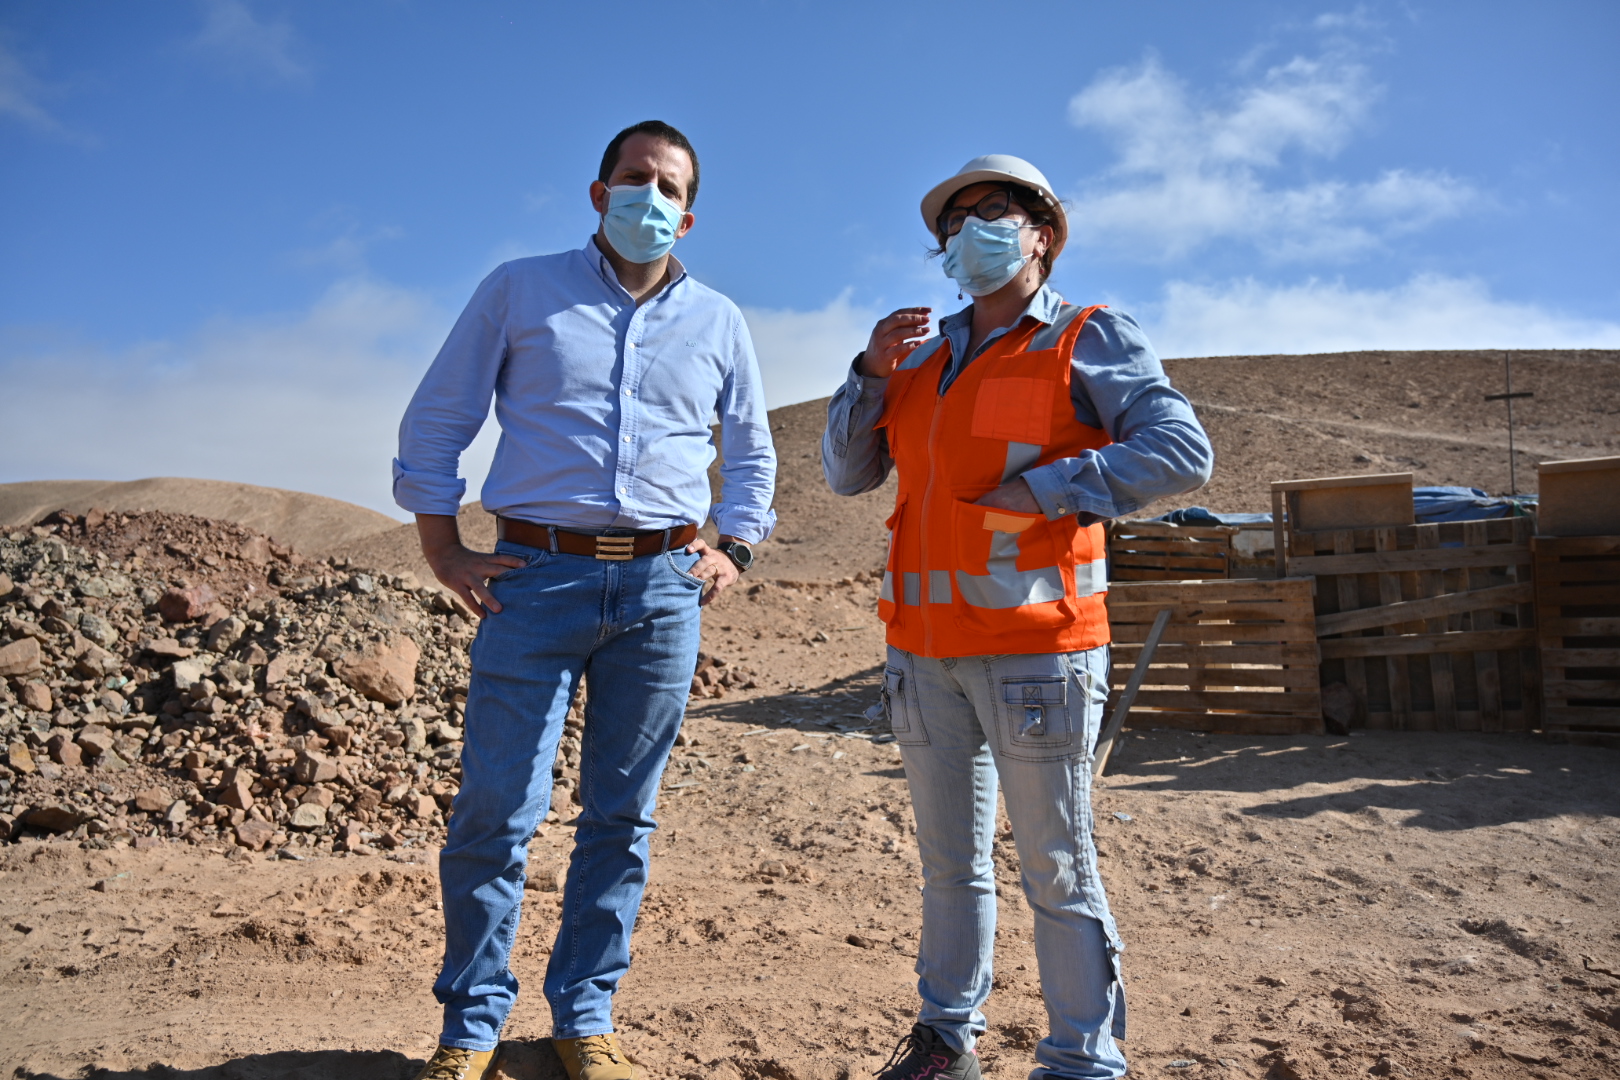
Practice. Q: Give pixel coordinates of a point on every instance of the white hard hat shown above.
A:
(994, 167)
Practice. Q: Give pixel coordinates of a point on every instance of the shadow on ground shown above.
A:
(519, 1061)
(1443, 780)
(837, 702)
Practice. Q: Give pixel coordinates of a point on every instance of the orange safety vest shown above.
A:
(967, 580)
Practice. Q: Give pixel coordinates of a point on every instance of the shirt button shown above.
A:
(630, 345)
(627, 438)
(624, 491)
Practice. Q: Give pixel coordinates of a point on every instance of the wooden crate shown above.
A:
(1337, 502)
(1579, 498)
(1430, 626)
(1578, 616)
(1237, 656)
(1160, 551)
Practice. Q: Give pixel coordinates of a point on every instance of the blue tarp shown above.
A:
(1429, 504)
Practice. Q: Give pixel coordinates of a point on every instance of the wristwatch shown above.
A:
(739, 552)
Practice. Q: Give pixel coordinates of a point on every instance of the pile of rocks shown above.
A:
(168, 677)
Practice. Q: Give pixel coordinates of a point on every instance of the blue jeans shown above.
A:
(1030, 722)
(632, 628)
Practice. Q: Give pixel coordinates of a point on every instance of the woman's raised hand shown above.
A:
(892, 340)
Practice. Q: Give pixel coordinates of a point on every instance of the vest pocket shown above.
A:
(1006, 575)
(890, 593)
(1014, 409)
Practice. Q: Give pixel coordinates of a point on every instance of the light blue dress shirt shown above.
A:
(604, 406)
(1117, 384)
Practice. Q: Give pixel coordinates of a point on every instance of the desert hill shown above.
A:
(1270, 418)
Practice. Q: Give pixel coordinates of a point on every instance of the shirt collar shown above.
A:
(595, 257)
(1043, 306)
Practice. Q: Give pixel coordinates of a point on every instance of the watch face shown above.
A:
(741, 554)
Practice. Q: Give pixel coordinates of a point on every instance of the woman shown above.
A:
(1017, 429)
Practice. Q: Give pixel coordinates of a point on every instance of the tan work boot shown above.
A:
(454, 1063)
(594, 1057)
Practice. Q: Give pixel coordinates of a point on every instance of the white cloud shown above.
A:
(232, 35)
(310, 402)
(1192, 172)
(1244, 318)
(805, 354)
(22, 96)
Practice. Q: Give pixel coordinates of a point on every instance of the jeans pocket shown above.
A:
(1036, 717)
(531, 556)
(901, 708)
(674, 564)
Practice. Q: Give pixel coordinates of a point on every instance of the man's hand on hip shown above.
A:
(462, 570)
(715, 567)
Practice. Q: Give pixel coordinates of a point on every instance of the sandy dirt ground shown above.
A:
(1405, 904)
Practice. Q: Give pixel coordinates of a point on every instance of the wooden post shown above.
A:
(1105, 743)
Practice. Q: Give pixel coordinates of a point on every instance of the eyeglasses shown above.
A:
(990, 208)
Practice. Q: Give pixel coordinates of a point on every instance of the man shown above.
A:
(1015, 431)
(607, 365)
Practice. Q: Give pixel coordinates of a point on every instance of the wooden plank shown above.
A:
(1396, 666)
(1138, 527)
(1298, 678)
(1239, 612)
(1233, 632)
(1153, 573)
(1175, 546)
(1552, 572)
(1430, 584)
(1231, 723)
(1213, 568)
(1394, 561)
(1302, 702)
(1589, 595)
(1220, 590)
(1521, 530)
(1487, 670)
(1555, 625)
(1581, 716)
(1279, 553)
(1556, 657)
(1359, 480)
(1583, 688)
(1414, 610)
(1355, 668)
(1296, 653)
(1576, 545)
(1418, 644)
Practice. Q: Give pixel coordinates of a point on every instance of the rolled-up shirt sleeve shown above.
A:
(1159, 449)
(854, 454)
(748, 467)
(452, 403)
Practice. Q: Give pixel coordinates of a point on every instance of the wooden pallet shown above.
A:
(1430, 626)
(1578, 615)
(1160, 551)
(1237, 656)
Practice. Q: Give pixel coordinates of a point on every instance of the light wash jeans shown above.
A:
(1031, 722)
(631, 628)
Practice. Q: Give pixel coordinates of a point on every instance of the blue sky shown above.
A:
(233, 234)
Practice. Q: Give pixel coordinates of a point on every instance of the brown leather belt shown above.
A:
(610, 548)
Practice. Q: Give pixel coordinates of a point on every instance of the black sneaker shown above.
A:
(923, 1055)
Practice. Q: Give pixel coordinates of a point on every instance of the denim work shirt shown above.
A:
(1116, 383)
(604, 406)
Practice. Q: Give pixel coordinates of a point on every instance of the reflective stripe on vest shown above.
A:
(964, 579)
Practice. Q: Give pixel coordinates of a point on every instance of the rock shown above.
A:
(860, 941)
(255, 656)
(773, 868)
(36, 696)
(350, 839)
(63, 750)
(382, 671)
(364, 584)
(95, 662)
(95, 740)
(307, 816)
(177, 813)
(18, 757)
(254, 834)
(183, 605)
(21, 658)
(6, 585)
(225, 634)
(188, 673)
(54, 818)
(420, 806)
(314, 768)
(442, 732)
(279, 667)
(167, 648)
(111, 760)
(549, 880)
(152, 800)
(322, 797)
(255, 551)
(236, 789)
(97, 629)
(415, 733)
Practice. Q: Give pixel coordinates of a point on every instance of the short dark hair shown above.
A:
(1035, 206)
(657, 129)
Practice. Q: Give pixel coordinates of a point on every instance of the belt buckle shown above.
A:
(616, 548)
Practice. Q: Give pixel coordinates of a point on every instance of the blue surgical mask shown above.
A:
(640, 223)
(985, 255)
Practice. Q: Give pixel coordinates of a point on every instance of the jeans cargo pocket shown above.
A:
(901, 708)
(1036, 717)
